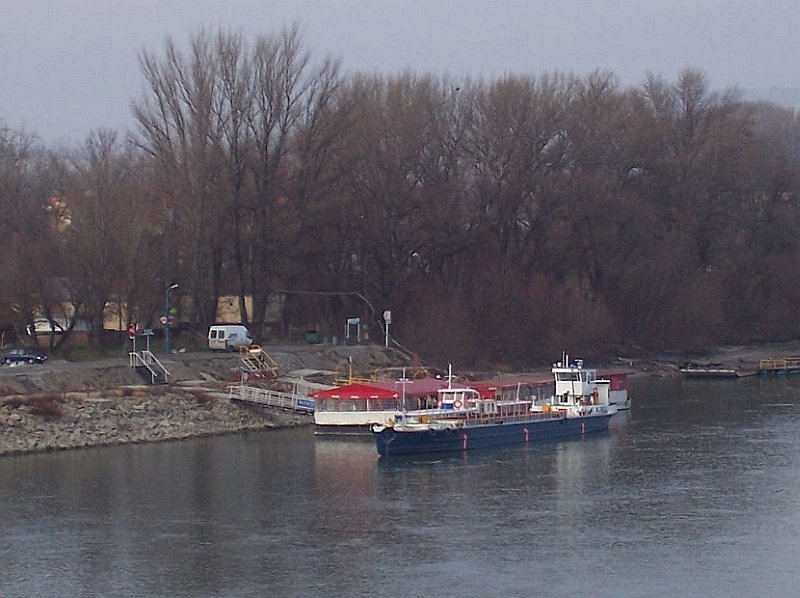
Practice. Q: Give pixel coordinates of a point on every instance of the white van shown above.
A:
(228, 337)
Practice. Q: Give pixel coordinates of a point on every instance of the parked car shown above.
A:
(22, 356)
(228, 337)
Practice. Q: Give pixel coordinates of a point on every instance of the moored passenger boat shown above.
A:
(464, 420)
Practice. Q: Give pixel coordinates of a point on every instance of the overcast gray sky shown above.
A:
(67, 67)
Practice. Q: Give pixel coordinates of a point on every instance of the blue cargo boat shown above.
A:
(463, 420)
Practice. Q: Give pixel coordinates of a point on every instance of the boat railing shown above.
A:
(519, 417)
(147, 360)
(474, 417)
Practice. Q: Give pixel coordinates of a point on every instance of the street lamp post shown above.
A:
(166, 315)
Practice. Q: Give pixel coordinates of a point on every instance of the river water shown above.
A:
(694, 492)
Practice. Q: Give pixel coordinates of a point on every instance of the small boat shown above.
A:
(463, 420)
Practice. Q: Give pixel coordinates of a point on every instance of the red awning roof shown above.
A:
(413, 388)
(383, 390)
(513, 380)
(355, 391)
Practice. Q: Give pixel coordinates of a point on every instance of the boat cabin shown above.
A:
(576, 385)
(458, 398)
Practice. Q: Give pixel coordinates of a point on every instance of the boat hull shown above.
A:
(407, 442)
(343, 429)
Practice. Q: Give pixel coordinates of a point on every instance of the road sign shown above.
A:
(163, 320)
(131, 332)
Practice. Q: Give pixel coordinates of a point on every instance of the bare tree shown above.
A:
(24, 227)
(184, 125)
(291, 102)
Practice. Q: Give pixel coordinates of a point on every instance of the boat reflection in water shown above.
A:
(344, 464)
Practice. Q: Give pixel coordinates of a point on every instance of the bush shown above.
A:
(46, 405)
(201, 397)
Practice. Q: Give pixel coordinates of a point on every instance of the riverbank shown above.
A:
(63, 406)
(67, 406)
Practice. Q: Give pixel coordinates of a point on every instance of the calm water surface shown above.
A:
(694, 492)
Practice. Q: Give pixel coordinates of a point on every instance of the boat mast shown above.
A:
(403, 381)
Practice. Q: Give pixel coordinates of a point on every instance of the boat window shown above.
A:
(568, 377)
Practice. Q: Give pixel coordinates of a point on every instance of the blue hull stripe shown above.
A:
(391, 442)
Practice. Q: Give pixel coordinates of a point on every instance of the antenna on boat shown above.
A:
(403, 381)
(449, 375)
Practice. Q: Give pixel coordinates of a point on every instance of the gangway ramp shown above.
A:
(271, 398)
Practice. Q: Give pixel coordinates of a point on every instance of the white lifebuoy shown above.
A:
(458, 404)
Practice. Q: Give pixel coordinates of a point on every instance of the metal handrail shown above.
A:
(147, 359)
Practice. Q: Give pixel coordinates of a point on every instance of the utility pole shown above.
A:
(166, 315)
(387, 317)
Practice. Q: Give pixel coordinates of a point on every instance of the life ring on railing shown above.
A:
(458, 404)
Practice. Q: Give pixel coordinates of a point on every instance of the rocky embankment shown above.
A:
(54, 421)
(89, 405)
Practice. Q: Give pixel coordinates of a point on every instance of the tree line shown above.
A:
(501, 221)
